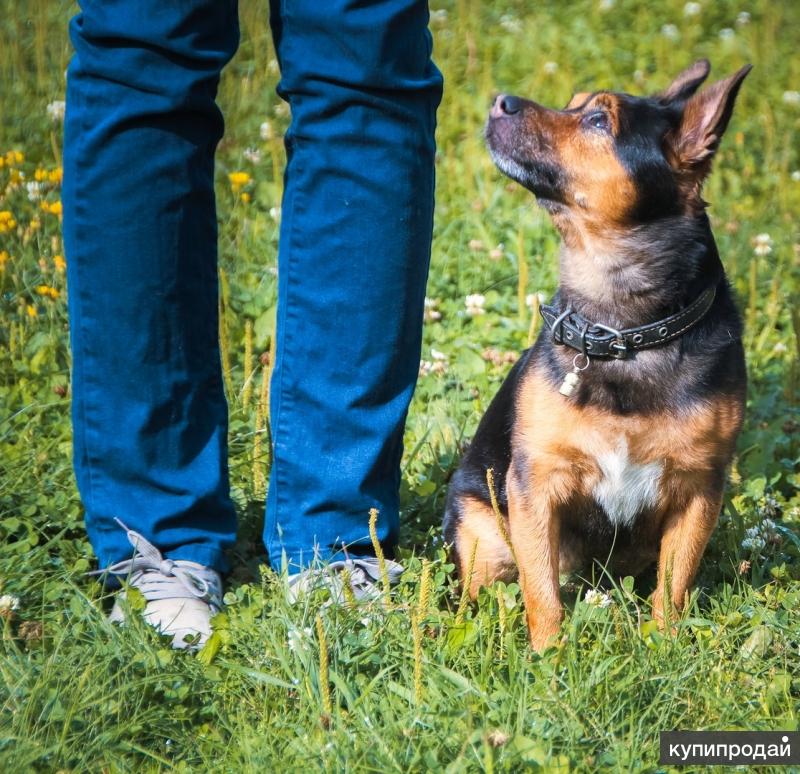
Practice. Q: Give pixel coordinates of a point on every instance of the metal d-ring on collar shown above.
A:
(594, 339)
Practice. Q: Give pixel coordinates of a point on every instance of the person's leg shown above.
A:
(354, 252)
(140, 235)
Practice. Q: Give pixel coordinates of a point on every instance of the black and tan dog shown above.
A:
(610, 437)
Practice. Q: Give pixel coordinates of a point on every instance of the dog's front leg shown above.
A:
(684, 538)
(534, 532)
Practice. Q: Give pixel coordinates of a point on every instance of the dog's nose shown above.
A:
(505, 105)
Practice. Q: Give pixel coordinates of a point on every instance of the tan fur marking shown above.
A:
(561, 443)
(493, 559)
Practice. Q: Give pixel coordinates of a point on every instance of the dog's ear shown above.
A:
(687, 82)
(703, 121)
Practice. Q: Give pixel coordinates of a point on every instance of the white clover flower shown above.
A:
(8, 604)
(253, 155)
(779, 348)
(726, 33)
(533, 298)
(432, 312)
(791, 97)
(56, 109)
(743, 18)
(595, 598)
(550, 68)
(425, 367)
(296, 637)
(510, 23)
(692, 9)
(670, 31)
(474, 304)
(34, 190)
(265, 131)
(437, 355)
(796, 176)
(763, 244)
(275, 214)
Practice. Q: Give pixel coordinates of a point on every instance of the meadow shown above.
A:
(425, 682)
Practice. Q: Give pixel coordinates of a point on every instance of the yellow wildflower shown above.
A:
(56, 175)
(14, 157)
(34, 224)
(54, 208)
(31, 310)
(238, 180)
(40, 174)
(59, 262)
(46, 290)
(7, 221)
(246, 197)
(4, 256)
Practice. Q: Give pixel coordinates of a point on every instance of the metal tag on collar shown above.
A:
(572, 378)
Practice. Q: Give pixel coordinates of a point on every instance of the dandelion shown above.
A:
(253, 155)
(55, 110)
(58, 261)
(7, 221)
(265, 131)
(727, 34)
(791, 97)
(47, 291)
(13, 158)
(432, 312)
(692, 9)
(8, 605)
(238, 180)
(595, 598)
(54, 208)
(763, 244)
(670, 31)
(474, 304)
(550, 68)
(743, 18)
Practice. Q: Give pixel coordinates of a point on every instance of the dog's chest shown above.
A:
(625, 488)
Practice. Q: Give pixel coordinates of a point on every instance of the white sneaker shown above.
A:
(364, 576)
(181, 596)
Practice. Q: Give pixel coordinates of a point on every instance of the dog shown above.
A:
(610, 438)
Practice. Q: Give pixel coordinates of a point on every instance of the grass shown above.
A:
(426, 682)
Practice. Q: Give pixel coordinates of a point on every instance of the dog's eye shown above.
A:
(598, 120)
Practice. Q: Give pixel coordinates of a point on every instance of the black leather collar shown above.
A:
(598, 340)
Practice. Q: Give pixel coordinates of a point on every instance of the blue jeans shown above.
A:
(149, 411)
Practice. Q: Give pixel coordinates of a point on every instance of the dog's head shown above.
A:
(612, 159)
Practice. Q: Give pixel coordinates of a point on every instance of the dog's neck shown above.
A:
(634, 276)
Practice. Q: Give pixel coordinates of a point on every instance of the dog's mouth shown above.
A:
(523, 158)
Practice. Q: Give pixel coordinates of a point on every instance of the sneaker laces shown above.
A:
(364, 576)
(159, 578)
